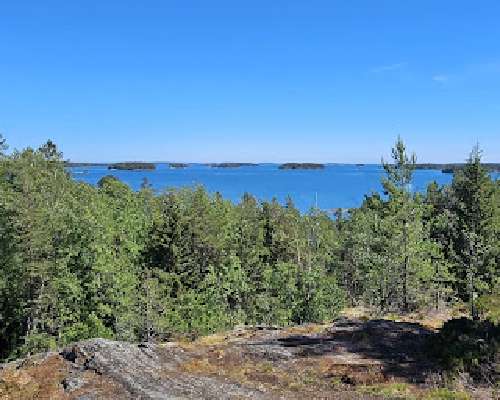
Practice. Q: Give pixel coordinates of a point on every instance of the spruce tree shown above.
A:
(474, 236)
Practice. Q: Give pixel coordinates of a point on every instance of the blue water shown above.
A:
(335, 186)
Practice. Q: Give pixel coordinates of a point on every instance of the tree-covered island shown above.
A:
(301, 166)
(71, 164)
(231, 165)
(450, 168)
(132, 166)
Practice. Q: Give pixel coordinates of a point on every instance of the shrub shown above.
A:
(463, 345)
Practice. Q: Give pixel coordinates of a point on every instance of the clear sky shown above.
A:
(328, 81)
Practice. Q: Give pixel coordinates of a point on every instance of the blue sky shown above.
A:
(329, 81)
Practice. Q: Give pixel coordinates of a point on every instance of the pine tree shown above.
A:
(398, 185)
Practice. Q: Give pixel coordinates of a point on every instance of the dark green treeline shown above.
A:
(78, 261)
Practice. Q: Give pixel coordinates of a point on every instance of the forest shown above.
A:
(450, 168)
(231, 165)
(131, 166)
(301, 166)
(78, 261)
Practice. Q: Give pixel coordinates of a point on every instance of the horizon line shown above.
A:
(265, 162)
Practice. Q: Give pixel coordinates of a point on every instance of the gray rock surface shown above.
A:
(147, 371)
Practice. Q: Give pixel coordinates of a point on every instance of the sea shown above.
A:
(335, 186)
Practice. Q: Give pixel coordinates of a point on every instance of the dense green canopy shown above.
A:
(78, 261)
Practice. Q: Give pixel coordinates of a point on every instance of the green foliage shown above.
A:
(389, 390)
(88, 328)
(473, 237)
(78, 261)
(489, 305)
(3, 145)
(409, 251)
(400, 173)
(37, 342)
(388, 257)
(277, 299)
(473, 347)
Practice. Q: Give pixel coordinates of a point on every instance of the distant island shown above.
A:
(301, 166)
(84, 164)
(231, 165)
(452, 167)
(446, 168)
(131, 166)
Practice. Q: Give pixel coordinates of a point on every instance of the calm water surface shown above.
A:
(332, 187)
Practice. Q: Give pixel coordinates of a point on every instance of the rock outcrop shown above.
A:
(336, 361)
(144, 371)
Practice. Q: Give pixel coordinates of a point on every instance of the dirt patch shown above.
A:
(35, 378)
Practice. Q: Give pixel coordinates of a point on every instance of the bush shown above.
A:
(463, 345)
(489, 306)
(38, 342)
